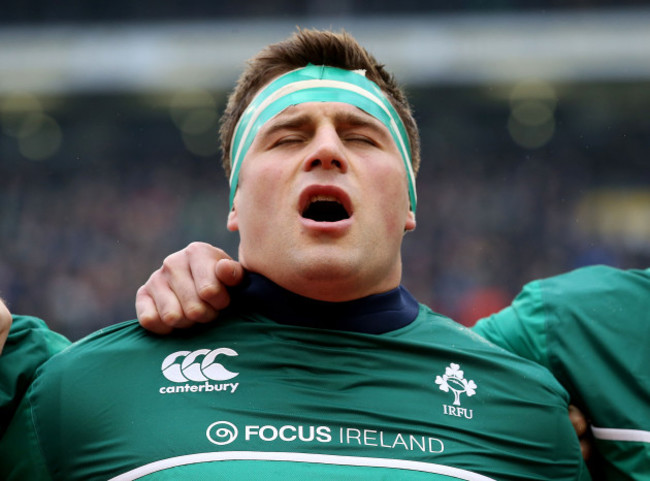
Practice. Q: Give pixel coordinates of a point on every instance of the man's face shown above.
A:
(322, 203)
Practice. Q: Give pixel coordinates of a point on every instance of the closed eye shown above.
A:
(286, 140)
(361, 138)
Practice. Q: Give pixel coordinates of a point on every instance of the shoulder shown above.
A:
(597, 298)
(110, 349)
(114, 336)
(32, 330)
(588, 299)
(588, 282)
(124, 354)
(451, 332)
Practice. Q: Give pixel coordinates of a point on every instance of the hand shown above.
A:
(5, 323)
(581, 425)
(190, 287)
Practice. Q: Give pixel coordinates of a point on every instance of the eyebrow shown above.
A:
(359, 119)
(346, 119)
(293, 122)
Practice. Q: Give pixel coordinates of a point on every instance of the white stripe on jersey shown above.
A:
(300, 458)
(609, 434)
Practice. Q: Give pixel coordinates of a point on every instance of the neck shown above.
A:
(374, 314)
(336, 284)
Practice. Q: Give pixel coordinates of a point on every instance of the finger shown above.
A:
(206, 287)
(147, 313)
(230, 272)
(167, 304)
(202, 259)
(180, 279)
(578, 420)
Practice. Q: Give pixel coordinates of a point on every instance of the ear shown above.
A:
(233, 222)
(409, 225)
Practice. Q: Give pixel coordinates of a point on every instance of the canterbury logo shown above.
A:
(201, 365)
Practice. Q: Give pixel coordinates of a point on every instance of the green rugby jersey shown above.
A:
(30, 344)
(258, 397)
(591, 328)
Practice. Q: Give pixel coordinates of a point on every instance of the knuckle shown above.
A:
(145, 289)
(196, 312)
(171, 318)
(168, 263)
(208, 291)
(195, 247)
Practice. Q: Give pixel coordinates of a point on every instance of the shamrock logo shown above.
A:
(454, 380)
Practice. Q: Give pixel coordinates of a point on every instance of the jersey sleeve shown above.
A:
(21, 458)
(520, 328)
(591, 328)
(30, 344)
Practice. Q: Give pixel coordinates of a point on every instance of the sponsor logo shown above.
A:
(454, 380)
(222, 433)
(190, 367)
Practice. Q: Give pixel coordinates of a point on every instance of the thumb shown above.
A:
(229, 272)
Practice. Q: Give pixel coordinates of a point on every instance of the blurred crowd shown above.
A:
(79, 233)
(37, 11)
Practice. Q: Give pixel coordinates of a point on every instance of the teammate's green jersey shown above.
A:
(591, 328)
(30, 344)
(263, 394)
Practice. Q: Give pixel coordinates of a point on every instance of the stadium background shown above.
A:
(533, 115)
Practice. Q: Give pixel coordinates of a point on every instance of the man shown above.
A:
(324, 366)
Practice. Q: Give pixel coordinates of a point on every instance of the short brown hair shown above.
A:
(318, 47)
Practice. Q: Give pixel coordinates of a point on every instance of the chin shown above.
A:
(328, 270)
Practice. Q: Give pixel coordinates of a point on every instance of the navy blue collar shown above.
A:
(374, 314)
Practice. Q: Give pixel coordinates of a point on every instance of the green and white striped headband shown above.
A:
(318, 84)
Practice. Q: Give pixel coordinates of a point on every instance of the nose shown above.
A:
(327, 151)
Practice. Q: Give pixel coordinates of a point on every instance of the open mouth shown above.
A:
(325, 208)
